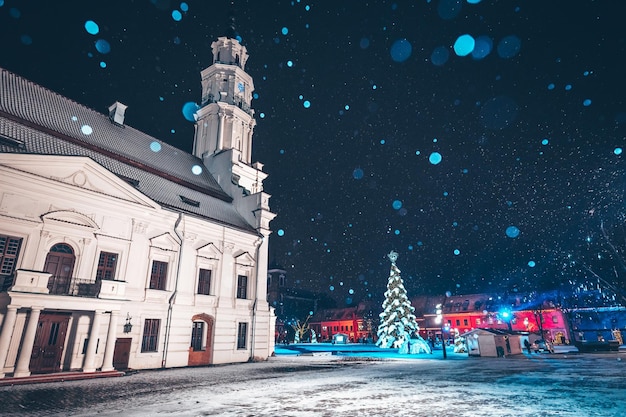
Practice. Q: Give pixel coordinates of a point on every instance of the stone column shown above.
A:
(5, 336)
(90, 356)
(23, 362)
(107, 363)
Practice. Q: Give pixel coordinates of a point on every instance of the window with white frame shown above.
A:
(242, 287)
(197, 336)
(9, 250)
(204, 281)
(158, 275)
(107, 264)
(150, 338)
(242, 335)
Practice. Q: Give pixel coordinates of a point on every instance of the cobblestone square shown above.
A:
(521, 386)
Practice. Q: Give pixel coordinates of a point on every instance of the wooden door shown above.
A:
(49, 343)
(121, 353)
(60, 263)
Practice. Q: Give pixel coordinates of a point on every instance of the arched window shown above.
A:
(62, 248)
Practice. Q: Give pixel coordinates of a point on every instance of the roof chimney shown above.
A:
(116, 113)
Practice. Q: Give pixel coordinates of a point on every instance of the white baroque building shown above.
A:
(119, 251)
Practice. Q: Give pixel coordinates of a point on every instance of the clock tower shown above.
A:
(226, 118)
(223, 131)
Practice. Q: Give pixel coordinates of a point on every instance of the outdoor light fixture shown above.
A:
(444, 327)
(507, 316)
(439, 316)
(128, 327)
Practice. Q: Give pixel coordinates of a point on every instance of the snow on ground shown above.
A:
(339, 386)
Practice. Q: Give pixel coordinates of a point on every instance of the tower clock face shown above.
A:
(241, 87)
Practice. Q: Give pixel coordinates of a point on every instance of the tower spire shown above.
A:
(231, 31)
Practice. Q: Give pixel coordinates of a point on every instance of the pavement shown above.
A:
(298, 349)
(58, 377)
(343, 385)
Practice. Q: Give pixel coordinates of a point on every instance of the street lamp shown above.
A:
(439, 320)
(506, 316)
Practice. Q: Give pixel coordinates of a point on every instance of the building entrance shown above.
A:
(49, 343)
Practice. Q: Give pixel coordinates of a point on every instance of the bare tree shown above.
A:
(301, 328)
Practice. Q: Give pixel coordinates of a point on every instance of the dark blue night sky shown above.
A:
(482, 140)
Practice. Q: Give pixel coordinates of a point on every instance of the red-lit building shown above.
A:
(467, 312)
(357, 322)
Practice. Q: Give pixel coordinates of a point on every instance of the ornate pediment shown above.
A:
(244, 259)
(80, 172)
(209, 251)
(165, 241)
(70, 217)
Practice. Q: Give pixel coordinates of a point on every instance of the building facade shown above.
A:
(465, 312)
(357, 323)
(119, 251)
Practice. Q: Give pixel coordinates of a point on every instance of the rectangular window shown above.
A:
(458, 322)
(242, 287)
(158, 277)
(464, 322)
(150, 340)
(242, 333)
(9, 249)
(197, 336)
(106, 266)
(204, 282)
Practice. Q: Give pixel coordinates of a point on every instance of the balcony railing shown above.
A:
(74, 286)
(27, 281)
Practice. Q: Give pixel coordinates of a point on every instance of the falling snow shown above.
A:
(525, 101)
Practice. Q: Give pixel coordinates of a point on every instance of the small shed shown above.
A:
(493, 343)
(340, 339)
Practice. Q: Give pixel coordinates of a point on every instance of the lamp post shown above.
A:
(439, 320)
(507, 316)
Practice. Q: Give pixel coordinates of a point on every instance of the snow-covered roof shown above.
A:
(35, 120)
(495, 332)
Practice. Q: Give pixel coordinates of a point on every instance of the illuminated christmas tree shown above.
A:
(397, 321)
